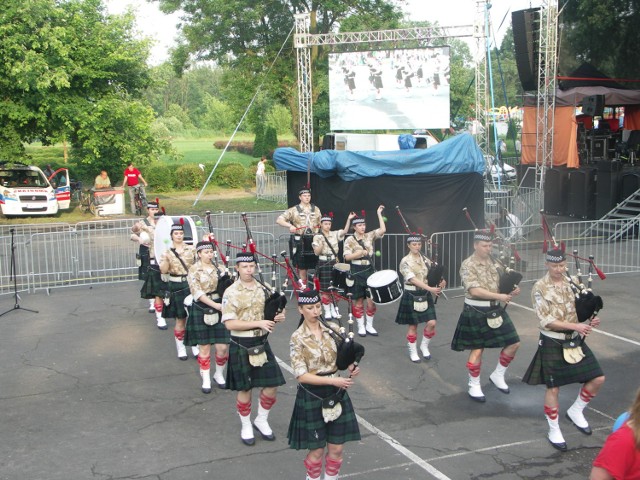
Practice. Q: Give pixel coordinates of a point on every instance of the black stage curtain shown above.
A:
(433, 203)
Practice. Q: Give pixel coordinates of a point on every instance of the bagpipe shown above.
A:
(435, 274)
(348, 351)
(224, 277)
(587, 303)
(276, 300)
(509, 277)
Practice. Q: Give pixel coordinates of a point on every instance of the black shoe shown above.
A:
(206, 390)
(269, 438)
(184, 358)
(478, 399)
(559, 446)
(248, 441)
(586, 430)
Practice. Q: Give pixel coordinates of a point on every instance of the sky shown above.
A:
(153, 23)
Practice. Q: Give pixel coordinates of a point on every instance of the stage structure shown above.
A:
(303, 41)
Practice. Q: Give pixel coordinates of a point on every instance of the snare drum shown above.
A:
(384, 286)
(339, 275)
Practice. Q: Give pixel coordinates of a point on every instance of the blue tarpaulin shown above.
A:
(459, 154)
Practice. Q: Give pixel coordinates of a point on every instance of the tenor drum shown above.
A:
(339, 275)
(162, 237)
(384, 286)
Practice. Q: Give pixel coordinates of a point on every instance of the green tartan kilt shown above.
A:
(324, 272)
(472, 331)
(408, 316)
(242, 376)
(199, 333)
(307, 428)
(550, 368)
(304, 257)
(144, 262)
(360, 274)
(153, 285)
(178, 291)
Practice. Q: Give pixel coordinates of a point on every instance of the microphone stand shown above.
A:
(13, 274)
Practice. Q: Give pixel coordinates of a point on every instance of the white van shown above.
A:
(25, 190)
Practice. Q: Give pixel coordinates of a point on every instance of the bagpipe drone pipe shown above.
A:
(225, 279)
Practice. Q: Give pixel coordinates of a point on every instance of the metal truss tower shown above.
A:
(303, 40)
(546, 97)
(480, 34)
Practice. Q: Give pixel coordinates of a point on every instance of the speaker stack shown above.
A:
(526, 26)
(556, 191)
(607, 186)
(582, 193)
(630, 183)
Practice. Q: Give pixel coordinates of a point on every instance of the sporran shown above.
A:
(494, 318)
(257, 355)
(572, 352)
(420, 304)
(331, 408)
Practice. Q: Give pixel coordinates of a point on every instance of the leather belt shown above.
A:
(559, 335)
(413, 288)
(177, 278)
(326, 258)
(256, 332)
(481, 303)
(360, 262)
(152, 261)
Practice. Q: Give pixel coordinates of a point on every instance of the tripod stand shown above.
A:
(13, 274)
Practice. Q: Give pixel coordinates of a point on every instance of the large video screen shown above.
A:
(389, 89)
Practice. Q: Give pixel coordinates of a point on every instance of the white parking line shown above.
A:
(389, 440)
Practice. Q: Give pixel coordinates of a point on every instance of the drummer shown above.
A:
(416, 305)
(358, 249)
(176, 262)
(325, 246)
(302, 222)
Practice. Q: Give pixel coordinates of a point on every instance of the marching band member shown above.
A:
(313, 359)
(175, 262)
(153, 288)
(358, 249)
(554, 304)
(416, 305)
(204, 327)
(325, 246)
(483, 323)
(251, 361)
(302, 222)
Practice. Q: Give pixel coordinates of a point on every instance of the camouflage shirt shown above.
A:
(310, 355)
(553, 302)
(151, 231)
(176, 268)
(351, 244)
(308, 216)
(242, 303)
(202, 279)
(479, 273)
(334, 238)
(416, 267)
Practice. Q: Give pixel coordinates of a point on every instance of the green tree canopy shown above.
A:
(70, 71)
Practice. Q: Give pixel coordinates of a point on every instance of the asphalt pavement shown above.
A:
(91, 389)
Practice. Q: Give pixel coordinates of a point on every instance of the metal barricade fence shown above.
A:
(275, 187)
(19, 256)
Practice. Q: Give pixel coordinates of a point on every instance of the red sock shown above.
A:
(358, 311)
(332, 465)
(314, 469)
(244, 409)
(551, 412)
(411, 338)
(158, 307)
(371, 310)
(505, 359)
(474, 369)
(428, 334)
(179, 334)
(585, 395)
(221, 360)
(205, 362)
(326, 298)
(266, 402)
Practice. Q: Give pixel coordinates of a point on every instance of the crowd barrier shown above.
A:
(59, 255)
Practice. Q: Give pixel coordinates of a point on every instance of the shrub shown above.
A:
(232, 175)
(189, 177)
(160, 177)
(270, 140)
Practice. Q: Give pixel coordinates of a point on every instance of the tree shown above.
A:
(64, 63)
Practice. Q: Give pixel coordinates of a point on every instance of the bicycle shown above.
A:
(87, 203)
(139, 199)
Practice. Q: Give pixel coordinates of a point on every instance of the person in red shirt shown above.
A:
(132, 178)
(619, 458)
